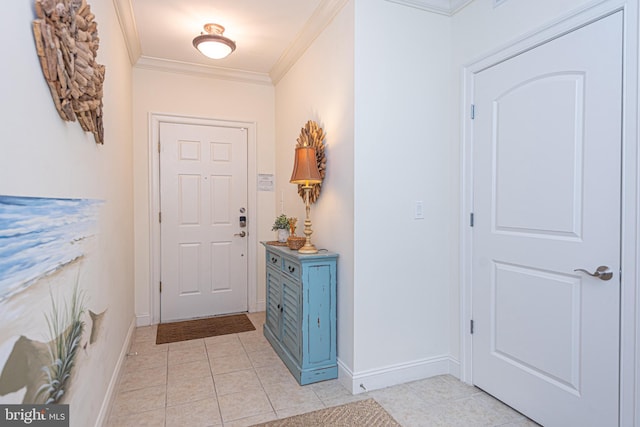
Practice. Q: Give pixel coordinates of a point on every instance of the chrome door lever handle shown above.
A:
(601, 272)
(241, 234)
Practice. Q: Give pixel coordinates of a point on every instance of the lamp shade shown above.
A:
(213, 44)
(305, 168)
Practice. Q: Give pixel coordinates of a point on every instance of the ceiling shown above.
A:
(270, 34)
(262, 29)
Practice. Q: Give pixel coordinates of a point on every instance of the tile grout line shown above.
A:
(253, 368)
(273, 408)
(166, 382)
(215, 388)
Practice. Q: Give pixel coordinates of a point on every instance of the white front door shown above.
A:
(546, 201)
(203, 194)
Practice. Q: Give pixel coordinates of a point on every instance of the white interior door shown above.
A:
(547, 173)
(203, 194)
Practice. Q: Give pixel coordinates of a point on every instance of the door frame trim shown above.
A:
(629, 409)
(154, 121)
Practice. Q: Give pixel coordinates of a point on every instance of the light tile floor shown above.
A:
(238, 380)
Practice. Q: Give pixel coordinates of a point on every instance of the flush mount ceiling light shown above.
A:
(213, 44)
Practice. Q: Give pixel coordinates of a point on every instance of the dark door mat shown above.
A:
(203, 328)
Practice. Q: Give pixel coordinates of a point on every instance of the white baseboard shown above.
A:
(260, 306)
(103, 415)
(375, 379)
(454, 367)
(143, 320)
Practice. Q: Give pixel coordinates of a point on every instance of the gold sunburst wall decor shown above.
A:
(312, 135)
(67, 41)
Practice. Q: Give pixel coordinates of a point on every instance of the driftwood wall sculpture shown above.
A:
(66, 37)
(312, 135)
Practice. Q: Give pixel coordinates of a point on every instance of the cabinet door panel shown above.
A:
(319, 300)
(291, 317)
(273, 301)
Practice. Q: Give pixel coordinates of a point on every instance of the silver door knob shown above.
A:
(241, 234)
(601, 272)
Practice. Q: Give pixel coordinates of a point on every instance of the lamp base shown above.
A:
(308, 248)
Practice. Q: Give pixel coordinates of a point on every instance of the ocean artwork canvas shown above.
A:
(38, 236)
(48, 253)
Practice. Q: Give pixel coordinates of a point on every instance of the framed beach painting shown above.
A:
(45, 243)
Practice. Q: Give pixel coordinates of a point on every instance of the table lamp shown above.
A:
(306, 173)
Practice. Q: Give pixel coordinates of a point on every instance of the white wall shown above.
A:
(319, 87)
(40, 155)
(377, 81)
(201, 97)
(402, 137)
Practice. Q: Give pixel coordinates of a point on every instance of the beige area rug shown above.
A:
(363, 413)
(203, 328)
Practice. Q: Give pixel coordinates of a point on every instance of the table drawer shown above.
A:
(274, 260)
(291, 267)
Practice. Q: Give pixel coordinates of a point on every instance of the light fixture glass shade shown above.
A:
(213, 44)
(305, 168)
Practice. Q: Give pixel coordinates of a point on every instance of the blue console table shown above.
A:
(301, 312)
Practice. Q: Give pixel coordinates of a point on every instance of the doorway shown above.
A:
(216, 284)
(203, 208)
(545, 238)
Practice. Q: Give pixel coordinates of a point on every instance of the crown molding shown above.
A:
(443, 7)
(124, 12)
(457, 5)
(321, 18)
(159, 64)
